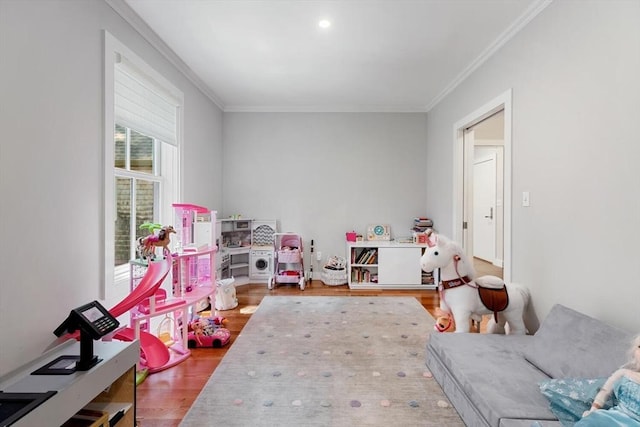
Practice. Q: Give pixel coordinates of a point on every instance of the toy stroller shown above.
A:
(288, 260)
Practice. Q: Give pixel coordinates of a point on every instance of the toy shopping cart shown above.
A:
(288, 260)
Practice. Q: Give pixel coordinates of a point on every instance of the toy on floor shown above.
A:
(625, 384)
(464, 296)
(289, 261)
(445, 323)
(226, 298)
(208, 332)
(147, 245)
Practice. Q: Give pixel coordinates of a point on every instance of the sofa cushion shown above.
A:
(492, 372)
(572, 344)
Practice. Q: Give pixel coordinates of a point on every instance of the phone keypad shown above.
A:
(105, 324)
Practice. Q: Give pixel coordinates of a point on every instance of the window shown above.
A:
(137, 189)
(142, 122)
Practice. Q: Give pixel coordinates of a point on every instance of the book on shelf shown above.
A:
(361, 275)
(365, 256)
(422, 222)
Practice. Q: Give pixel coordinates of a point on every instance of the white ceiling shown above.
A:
(378, 55)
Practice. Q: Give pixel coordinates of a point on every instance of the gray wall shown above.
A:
(576, 99)
(51, 162)
(323, 174)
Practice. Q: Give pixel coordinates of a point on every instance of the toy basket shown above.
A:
(333, 277)
(334, 272)
(289, 257)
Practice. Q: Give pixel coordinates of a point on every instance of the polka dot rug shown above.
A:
(327, 361)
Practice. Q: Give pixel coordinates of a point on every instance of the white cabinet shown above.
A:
(399, 266)
(239, 264)
(386, 265)
(109, 384)
(235, 235)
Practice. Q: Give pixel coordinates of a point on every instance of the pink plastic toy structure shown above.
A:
(154, 352)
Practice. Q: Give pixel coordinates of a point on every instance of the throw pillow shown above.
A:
(570, 397)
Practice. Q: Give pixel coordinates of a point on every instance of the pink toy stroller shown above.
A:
(288, 260)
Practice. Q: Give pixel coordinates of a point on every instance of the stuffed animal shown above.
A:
(445, 322)
(625, 384)
(463, 295)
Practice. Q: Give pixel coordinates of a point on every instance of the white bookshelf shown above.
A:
(386, 265)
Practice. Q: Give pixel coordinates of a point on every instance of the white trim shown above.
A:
(107, 258)
(326, 109)
(111, 47)
(532, 11)
(129, 15)
(503, 101)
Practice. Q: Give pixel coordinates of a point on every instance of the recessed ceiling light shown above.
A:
(324, 23)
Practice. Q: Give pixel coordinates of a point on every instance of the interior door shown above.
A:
(484, 205)
(489, 125)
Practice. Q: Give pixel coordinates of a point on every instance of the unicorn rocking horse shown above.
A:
(465, 297)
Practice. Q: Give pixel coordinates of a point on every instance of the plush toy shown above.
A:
(445, 322)
(464, 296)
(625, 384)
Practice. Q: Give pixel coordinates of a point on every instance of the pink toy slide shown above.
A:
(155, 352)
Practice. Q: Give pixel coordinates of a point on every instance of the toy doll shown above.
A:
(625, 384)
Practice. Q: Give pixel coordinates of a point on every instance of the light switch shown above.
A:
(525, 199)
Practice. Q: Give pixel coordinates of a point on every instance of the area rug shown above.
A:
(327, 361)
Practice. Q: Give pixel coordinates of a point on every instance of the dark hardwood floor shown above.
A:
(164, 397)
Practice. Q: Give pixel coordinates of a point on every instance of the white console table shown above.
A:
(387, 265)
(110, 381)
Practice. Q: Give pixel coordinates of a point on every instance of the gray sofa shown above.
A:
(493, 380)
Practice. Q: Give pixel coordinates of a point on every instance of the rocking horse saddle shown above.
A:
(493, 298)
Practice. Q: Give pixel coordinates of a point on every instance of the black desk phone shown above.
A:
(94, 322)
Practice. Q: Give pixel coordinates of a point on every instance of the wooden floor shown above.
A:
(164, 397)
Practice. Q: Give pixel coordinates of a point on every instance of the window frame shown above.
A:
(114, 278)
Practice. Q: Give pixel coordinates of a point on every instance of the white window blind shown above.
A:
(142, 105)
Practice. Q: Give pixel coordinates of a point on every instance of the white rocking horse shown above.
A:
(465, 297)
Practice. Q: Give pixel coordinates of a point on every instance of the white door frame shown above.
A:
(501, 102)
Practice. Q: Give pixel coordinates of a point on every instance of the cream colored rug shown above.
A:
(327, 361)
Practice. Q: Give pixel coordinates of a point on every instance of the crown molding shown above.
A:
(325, 109)
(128, 14)
(532, 11)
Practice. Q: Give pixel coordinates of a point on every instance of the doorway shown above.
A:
(485, 205)
(482, 185)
